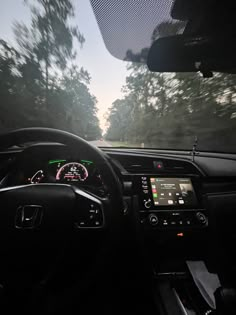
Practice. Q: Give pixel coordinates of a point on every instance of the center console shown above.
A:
(175, 294)
(173, 220)
(171, 223)
(166, 203)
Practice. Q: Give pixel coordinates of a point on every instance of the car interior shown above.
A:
(122, 230)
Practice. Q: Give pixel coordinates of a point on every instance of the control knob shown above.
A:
(201, 218)
(153, 219)
(147, 203)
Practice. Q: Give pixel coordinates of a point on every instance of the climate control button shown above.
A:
(153, 219)
(201, 218)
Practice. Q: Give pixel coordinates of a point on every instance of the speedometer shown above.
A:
(72, 172)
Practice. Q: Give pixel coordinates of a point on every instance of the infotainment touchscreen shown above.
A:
(172, 191)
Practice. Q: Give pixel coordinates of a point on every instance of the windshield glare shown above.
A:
(55, 71)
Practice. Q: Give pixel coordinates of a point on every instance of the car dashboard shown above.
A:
(181, 206)
(184, 205)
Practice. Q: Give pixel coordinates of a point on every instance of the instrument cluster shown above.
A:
(82, 172)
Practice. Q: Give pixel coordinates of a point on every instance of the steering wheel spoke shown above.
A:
(90, 213)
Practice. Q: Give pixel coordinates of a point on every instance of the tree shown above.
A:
(39, 85)
(169, 110)
(50, 38)
(79, 103)
(120, 117)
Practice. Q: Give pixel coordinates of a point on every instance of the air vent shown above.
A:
(145, 165)
(136, 164)
(182, 167)
(135, 168)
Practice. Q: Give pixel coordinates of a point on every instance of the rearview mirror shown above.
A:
(183, 53)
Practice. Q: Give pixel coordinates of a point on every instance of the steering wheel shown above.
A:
(36, 220)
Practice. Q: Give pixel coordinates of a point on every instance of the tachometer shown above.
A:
(72, 172)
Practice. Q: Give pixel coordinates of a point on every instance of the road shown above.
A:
(100, 143)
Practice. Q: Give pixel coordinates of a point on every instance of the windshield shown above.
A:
(55, 71)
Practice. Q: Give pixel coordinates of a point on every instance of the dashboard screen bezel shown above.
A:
(171, 187)
(196, 184)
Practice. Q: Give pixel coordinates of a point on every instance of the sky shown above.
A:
(107, 73)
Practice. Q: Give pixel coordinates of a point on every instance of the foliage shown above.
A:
(39, 84)
(170, 110)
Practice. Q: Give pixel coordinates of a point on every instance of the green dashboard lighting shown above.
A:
(56, 161)
(87, 161)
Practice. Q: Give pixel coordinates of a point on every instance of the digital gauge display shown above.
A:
(72, 172)
(37, 177)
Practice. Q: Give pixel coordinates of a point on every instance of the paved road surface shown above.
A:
(100, 143)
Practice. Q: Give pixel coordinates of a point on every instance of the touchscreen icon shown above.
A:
(170, 202)
(185, 188)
